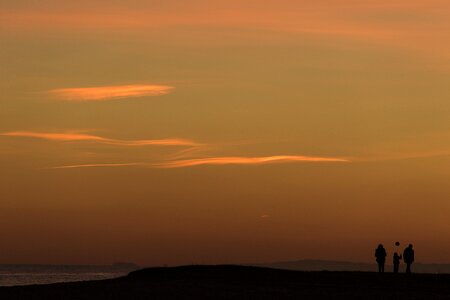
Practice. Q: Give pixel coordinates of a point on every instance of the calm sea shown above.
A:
(43, 274)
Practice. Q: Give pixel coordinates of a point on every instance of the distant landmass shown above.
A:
(331, 265)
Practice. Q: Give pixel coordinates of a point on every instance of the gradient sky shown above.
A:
(176, 132)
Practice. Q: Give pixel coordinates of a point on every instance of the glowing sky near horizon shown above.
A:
(160, 132)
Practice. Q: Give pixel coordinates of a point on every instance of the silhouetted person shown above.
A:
(396, 261)
(408, 257)
(380, 254)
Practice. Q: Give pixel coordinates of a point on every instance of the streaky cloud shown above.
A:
(55, 136)
(105, 93)
(399, 25)
(213, 161)
(247, 161)
(161, 142)
(98, 165)
(74, 137)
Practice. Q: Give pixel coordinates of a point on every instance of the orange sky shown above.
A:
(175, 132)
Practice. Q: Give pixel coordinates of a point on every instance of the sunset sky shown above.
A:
(177, 132)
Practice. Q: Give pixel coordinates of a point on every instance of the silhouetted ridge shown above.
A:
(226, 282)
(206, 271)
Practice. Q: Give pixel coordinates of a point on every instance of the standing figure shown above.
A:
(380, 254)
(396, 261)
(408, 257)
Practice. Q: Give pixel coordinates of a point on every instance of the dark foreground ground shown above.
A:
(239, 282)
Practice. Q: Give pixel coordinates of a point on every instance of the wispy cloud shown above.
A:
(55, 136)
(212, 161)
(98, 165)
(397, 24)
(105, 93)
(78, 137)
(176, 161)
(247, 161)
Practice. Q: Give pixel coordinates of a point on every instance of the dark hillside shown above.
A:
(240, 282)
